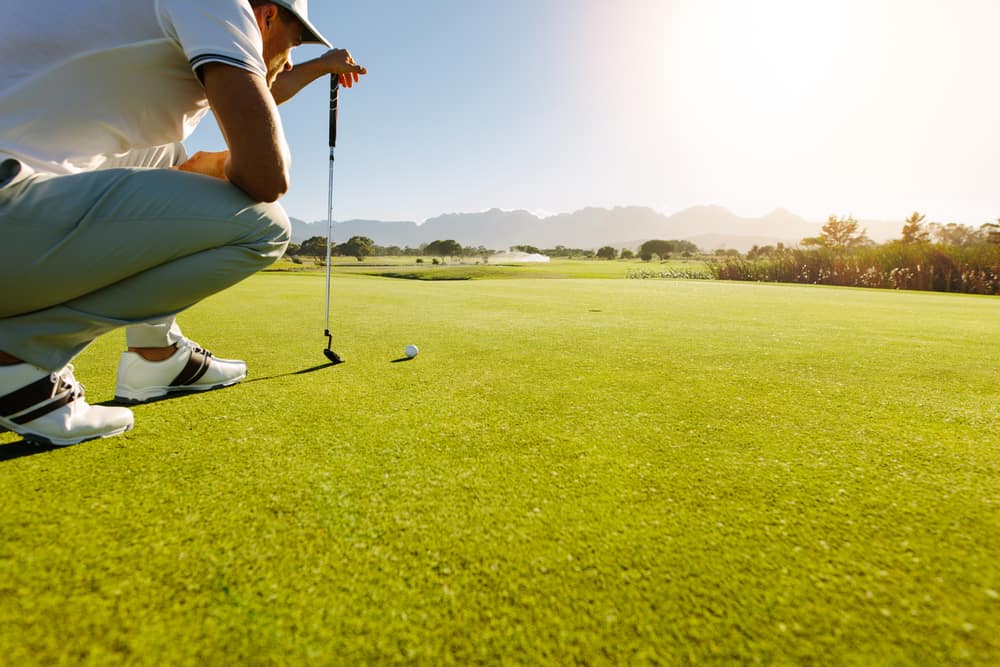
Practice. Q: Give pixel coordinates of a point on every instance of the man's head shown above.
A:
(284, 24)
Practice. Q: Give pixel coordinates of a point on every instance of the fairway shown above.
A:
(472, 269)
(572, 471)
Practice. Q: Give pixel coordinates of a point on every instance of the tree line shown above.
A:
(927, 256)
(648, 251)
(361, 247)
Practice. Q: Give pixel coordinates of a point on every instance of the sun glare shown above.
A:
(756, 68)
(819, 106)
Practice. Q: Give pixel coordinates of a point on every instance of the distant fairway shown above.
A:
(571, 471)
(471, 269)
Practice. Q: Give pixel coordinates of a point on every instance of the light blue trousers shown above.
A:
(84, 254)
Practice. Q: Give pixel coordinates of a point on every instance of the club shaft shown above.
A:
(334, 96)
(329, 239)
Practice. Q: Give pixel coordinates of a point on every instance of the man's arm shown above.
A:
(335, 61)
(258, 160)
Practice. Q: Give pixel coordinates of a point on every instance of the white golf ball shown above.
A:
(412, 351)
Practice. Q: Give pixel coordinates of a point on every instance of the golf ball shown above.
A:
(411, 351)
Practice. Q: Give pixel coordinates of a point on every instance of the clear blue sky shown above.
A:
(870, 107)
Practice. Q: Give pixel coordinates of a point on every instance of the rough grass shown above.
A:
(570, 472)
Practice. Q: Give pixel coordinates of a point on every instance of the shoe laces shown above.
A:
(187, 342)
(63, 379)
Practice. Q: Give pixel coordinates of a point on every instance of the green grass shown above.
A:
(571, 471)
(471, 269)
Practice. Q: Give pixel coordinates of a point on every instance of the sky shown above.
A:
(870, 108)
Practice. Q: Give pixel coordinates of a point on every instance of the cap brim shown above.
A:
(313, 35)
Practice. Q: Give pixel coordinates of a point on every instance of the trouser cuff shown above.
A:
(158, 333)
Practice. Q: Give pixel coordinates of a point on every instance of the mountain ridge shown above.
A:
(709, 226)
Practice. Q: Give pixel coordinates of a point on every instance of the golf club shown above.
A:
(334, 94)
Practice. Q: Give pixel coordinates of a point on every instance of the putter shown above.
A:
(334, 94)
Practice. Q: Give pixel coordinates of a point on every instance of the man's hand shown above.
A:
(338, 62)
(207, 163)
(341, 63)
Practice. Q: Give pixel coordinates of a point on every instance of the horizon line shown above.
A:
(542, 214)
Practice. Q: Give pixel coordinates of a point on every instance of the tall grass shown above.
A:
(972, 269)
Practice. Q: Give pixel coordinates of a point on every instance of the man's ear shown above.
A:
(266, 15)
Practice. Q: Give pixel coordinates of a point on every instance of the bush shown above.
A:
(671, 274)
(973, 269)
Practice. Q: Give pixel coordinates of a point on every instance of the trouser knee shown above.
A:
(272, 231)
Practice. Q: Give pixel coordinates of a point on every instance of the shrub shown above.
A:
(671, 274)
(972, 269)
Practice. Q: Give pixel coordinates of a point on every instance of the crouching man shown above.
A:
(105, 222)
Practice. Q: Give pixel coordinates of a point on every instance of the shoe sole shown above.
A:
(151, 394)
(38, 439)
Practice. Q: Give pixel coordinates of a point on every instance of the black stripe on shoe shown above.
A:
(31, 395)
(65, 399)
(196, 367)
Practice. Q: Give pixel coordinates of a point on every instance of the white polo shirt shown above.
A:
(83, 81)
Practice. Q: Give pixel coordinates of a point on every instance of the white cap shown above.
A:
(301, 10)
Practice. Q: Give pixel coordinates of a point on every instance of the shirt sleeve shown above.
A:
(221, 31)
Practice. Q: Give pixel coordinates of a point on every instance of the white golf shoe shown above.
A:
(49, 408)
(191, 368)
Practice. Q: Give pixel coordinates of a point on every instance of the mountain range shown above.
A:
(708, 227)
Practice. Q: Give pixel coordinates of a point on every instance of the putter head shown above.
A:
(328, 353)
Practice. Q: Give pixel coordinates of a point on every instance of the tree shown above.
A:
(953, 234)
(314, 246)
(607, 252)
(758, 252)
(657, 247)
(357, 246)
(484, 253)
(840, 233)
(475, 251)
(446, 248)
(686, 248)
(991, 232)
(563, 251)
(627, 254)
(530, 249)
(913, 230)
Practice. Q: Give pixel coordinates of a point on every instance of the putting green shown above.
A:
(590, 471)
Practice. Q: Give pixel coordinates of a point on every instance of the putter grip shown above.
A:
(334, 95)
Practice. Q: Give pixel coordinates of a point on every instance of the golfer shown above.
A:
(104, 221)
